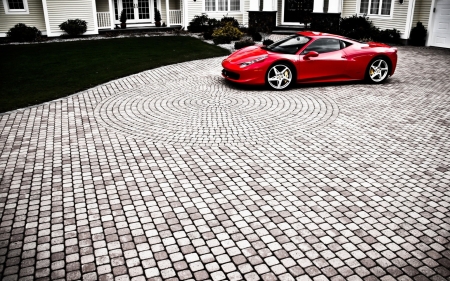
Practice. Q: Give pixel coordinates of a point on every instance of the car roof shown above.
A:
(320, 34)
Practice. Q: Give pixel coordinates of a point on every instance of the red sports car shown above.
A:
(310, 57)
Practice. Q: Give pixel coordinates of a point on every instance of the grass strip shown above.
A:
(36, 73)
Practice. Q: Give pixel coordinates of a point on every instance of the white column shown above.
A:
(334, 6)
(111, 13)
(254, 5)
(268, 5)
(167, 13)
(47, 21)
(318, 6)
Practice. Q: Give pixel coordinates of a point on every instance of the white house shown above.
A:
(46, 15)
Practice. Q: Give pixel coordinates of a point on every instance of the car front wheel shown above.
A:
(378, 70)
(279, 76)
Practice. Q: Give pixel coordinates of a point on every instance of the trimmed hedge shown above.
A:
(74, 27)
(23, 33)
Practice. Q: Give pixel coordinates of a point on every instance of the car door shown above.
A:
(329, 65)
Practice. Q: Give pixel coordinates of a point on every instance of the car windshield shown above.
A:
(289, 45)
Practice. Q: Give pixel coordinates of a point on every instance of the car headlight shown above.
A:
(247, 63)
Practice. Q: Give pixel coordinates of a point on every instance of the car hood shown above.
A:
(246, 54)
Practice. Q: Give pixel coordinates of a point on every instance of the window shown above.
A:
(289, 45)
(222, 5)
(375, 7)
(324, 45)
(15, 6)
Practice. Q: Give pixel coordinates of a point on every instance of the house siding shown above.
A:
(35, 17)
(196, 9)
(102, 5)
(398, 20)
(422, 12)
(163, 11)
(60, 11)
(280, 11)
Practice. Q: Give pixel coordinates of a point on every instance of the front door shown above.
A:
(295, 11)
(138, 11)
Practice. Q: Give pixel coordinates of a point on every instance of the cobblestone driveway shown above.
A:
(174, 174)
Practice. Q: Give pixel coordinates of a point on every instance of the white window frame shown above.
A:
(23, 11)
(378, 15)
(217, 7)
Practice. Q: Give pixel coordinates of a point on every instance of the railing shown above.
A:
(104, 20)
(174, 17)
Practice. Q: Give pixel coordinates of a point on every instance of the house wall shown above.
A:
(35, 17)
(196, 9)
(422, 12)
(61, 10)
(279, 11)
(397, 19)
(102, 5)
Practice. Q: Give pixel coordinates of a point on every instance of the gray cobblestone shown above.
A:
(175, 174)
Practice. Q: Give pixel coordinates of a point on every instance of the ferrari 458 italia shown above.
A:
(310, 57)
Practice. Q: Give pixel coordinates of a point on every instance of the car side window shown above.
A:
(323, 45)
(344, 44)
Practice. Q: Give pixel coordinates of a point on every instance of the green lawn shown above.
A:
(35, 73)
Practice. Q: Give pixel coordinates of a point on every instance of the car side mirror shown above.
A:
(311, 54)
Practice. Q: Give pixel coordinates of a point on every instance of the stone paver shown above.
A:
(174, 174)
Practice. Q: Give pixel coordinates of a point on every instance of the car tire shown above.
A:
(378, 70)
(280, 76)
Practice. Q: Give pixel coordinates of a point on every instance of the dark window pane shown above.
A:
(325, 45)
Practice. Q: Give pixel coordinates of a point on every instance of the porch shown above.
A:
(140, 13)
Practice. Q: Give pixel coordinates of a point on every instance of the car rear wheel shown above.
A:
(378, 70)
(279, 76)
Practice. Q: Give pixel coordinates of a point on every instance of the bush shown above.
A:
(74, 27)
(225, 20)
(243, 43)
(23, 33)
(267, 42)
(418, 34)
(227, 33)
(357, 27)
(198, 24)
(387, 36)
(256, 36)
(157, 16)
(123, 16)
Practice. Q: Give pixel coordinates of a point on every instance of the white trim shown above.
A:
(409, 18)
(185, 13)
(24, 11)
(47, 21)
(94, 15)
(317, 6)
(430, 24)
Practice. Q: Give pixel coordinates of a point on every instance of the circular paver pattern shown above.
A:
(209, 110)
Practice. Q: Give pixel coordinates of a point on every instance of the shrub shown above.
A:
(225, 20)
(199, 24)
(157, 16)
(74, 27)
(418, 34)
(357, 27)
(256, 36)
(243, 43)
(226, 34)
(123, 16)
(387, 36)
(23, 33)
(267, 42)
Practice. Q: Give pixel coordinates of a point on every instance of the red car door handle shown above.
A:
(343, 56)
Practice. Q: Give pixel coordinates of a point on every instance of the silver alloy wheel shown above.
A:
(378, 70)
(279, 76)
